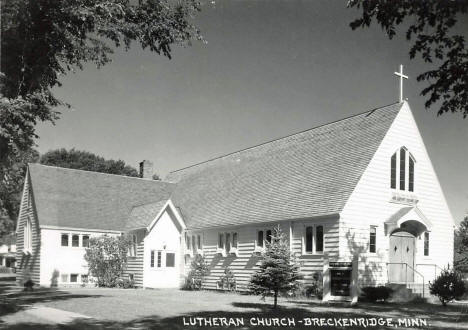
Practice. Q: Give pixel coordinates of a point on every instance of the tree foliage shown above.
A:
(11, 187)
(279, 272)
(83, 160)
(107, 257)
(447, 286)
(430, 24)
(45, 39)
(461, 246)
(198, 270)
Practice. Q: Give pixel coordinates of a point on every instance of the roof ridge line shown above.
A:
(99, 173)
(138, 205)
(284, 137)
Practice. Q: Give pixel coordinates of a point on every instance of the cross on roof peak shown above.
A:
(402, 76)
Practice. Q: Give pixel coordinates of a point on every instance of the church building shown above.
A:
(358, 200)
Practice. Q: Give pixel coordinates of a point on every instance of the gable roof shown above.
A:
(83, 199)
(303, 175)
(141, 216)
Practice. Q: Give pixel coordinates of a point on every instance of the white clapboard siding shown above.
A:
(370, 204)
(246, 262)
(28, 265)
(135, 264)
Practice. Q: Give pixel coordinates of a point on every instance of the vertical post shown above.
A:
(406, 274)
(326, 277)
(354, 280)
(423, 287)
(401, 83)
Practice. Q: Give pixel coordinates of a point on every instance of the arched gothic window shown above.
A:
(402, 164)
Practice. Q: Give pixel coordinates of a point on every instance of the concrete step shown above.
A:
(406, 292)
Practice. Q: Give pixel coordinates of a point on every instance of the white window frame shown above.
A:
(370, 232)
(408, 156)
(428, 233)
(224, 250)
(81, 240)
(163, 259)
(314, 239)
(132, 250)
(263, 247)
(68, 240)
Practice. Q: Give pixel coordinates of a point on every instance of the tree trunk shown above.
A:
(275, 304)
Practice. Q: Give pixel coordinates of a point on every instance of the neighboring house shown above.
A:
(8, 252)
(359, 190)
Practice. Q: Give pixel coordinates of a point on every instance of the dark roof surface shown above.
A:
(83, 199)
(308, 174)
(141, 216)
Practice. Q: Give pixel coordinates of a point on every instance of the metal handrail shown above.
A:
(435, 268)
(406, 273)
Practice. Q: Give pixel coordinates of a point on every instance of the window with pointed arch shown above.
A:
(402, 166)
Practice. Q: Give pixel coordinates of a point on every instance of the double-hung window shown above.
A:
(313, 239)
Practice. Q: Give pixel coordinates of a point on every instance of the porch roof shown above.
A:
(409, 213)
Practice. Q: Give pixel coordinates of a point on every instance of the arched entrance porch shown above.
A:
(402, 251)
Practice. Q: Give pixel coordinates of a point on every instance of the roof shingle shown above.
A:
(308, 174)
(82, 199)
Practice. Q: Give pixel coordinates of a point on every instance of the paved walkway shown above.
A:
(42, 314)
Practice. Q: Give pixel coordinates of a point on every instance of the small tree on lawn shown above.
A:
(279, 272)
(447, 286)
(198, 270)
(106, 257)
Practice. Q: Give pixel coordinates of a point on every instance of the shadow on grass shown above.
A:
(436, 321)
(17, 300)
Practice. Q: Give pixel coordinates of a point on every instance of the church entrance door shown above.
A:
(401, 257)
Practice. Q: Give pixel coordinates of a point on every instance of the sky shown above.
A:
(269, 68)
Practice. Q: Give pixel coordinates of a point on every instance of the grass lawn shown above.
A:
(166, 309)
